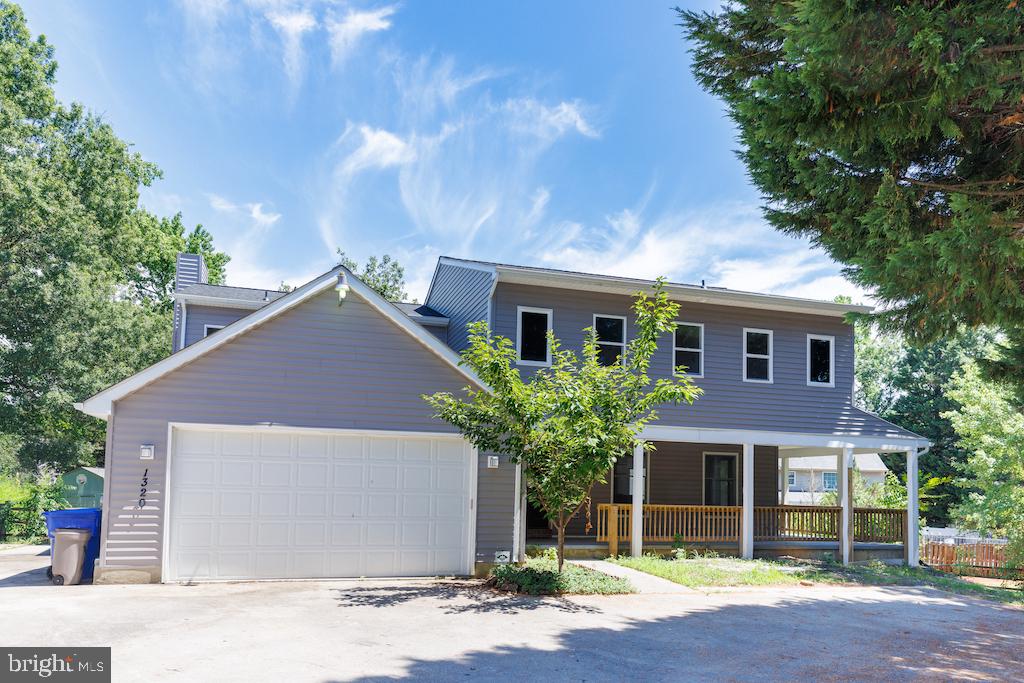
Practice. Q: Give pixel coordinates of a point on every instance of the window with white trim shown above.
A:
(829, 481)
(757, 355)
(688, 348)
(611, 338)
(210, 329)
(821, 360)
(532, 327)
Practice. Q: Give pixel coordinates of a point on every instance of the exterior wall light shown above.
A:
(147, 451)
(342, 288)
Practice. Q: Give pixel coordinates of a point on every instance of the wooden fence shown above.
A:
(974, 559)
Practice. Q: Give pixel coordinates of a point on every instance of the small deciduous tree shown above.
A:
(385, 275)
(991, 428)
(567, 424)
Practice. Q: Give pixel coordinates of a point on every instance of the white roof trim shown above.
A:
(679, 292)
(220, 301)
(100, 404)
(767, 438)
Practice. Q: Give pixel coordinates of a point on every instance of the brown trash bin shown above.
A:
(69, 555)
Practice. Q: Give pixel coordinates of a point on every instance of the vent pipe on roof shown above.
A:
(266, 295)
(702, 285)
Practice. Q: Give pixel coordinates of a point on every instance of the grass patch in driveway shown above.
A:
(540, 576)
(717, 571)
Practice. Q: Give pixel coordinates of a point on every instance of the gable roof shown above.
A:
(551, 277)
(100, 404)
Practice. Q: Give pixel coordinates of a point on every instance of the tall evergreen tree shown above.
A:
(891, 134)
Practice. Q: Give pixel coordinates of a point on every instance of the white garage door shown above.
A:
(271, 504)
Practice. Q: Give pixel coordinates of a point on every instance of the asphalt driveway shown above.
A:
(368, 630)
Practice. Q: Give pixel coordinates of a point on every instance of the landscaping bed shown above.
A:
(540, 576)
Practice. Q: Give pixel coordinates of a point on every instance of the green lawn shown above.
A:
(718, 571)
(540, 576)
(701, 572)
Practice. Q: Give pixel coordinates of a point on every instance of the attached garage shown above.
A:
(273, 503)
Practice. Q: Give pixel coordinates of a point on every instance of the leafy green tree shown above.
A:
(889, 133)
(909, 385)
(83, 269)
(991, 429)
(384, 274)
(566, 424)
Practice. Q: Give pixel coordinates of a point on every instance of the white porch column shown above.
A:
(747, 519)
(913, 550)
(843, 463)
(636, 541)
(784, 486)
(519, 520)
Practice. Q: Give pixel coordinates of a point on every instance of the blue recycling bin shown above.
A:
(78, 518)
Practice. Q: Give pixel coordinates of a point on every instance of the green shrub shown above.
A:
(540, 576)
(22, 513)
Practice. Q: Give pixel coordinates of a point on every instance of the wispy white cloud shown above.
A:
(345, 32)
(291, 26)
(379, 149)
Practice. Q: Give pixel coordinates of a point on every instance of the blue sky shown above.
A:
(569, 135)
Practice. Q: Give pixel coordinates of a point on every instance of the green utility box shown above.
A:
(83, 487)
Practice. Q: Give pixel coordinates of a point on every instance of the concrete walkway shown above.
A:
(643, 582)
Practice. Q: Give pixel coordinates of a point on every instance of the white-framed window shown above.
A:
(757, 355)
(791, 480)
(611, 338)
(532, 327)
(210, 329)
(828, 481)
(821, 360)
(688, 348)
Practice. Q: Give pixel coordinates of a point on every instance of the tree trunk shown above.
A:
(561, 540)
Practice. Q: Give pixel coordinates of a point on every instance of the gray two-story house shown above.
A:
(287, 437)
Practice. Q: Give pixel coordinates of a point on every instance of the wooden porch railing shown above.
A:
(879, 525)
(721, 524)
(796, 523)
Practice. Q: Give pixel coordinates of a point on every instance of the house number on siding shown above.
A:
(142, 488)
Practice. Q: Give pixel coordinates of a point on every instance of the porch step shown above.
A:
(642, 582)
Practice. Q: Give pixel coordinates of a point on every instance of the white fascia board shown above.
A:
(100, 404)
(766, 438)
(691, 293)
(221, 302)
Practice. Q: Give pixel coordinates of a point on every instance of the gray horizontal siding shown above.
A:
(317, 365)
(463, 296)
(197, 317)
(787, 405)
(496, 494)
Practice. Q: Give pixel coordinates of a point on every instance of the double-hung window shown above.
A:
(828, 481)
(611, 338)
(821, 360)
(532, 327)
(757, 355)
(688, 349)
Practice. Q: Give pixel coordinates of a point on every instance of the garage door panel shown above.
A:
(313, 475)
(273, 533)
(311, 504)
(347, 505)
(277, 504)
(276, 474)
(275, 445)
(236, 473)
(249, 504)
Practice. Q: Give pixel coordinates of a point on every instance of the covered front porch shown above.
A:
(708, 489)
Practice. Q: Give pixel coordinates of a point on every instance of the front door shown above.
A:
(719, 479)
